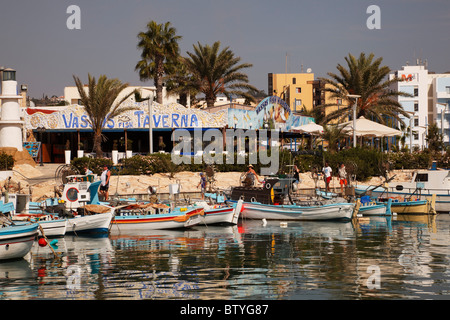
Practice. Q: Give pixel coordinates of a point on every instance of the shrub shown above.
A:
(6, 161)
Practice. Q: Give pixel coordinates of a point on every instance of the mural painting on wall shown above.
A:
(271, 113)
(164, 116)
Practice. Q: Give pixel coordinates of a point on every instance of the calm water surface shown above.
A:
(379, 258)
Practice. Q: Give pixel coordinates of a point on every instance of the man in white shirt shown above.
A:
(327, 175)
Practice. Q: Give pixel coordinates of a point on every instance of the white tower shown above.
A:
(10, 123)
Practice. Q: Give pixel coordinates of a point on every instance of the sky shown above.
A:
(274, 36)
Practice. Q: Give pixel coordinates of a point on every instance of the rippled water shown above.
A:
(379, 258)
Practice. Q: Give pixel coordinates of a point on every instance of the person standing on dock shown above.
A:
(202, 183)
(342, 177)
(327, 175)
(104, 185)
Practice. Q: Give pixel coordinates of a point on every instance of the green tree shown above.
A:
(434, 138)
(213, 72)
(101, 102)
(364, 76)
(160, 50)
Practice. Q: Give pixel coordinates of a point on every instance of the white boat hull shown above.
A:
(228, 215)
(95, 223)
(16, 240)
(251, 210)
(373, 210)
(53, 228)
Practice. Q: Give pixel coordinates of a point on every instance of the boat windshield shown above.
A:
(421, 177)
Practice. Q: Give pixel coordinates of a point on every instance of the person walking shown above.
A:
(327, 175)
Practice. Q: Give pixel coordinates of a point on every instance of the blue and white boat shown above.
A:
(370, 207)
(16, 239)
(423, 184)
(331, 211)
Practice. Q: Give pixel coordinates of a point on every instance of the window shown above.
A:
(416, 106)
(416, 136)
(447, 90)
(422, 177)
(416, 122)
(416, 92)
(294, 81)
(298, 90)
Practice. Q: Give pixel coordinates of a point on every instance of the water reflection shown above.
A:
(376, 258)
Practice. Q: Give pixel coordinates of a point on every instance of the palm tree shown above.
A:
(159, 45)
(101, 103)
(367, 78)
(213, 72)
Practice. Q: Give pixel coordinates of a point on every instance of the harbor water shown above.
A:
(376, 258)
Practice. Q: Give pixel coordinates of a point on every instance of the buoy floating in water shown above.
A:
(42, 242)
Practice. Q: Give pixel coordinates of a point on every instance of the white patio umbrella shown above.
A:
(367, 128)
(311, 128)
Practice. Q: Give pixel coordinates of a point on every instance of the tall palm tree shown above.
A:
(366, 77)
(214, 72)
(159, 45)
(101, 103)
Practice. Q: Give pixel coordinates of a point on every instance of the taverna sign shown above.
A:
(170, 116)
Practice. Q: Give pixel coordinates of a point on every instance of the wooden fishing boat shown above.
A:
(95, 219)
(414, 206)
(52, 226)
(216, 214)
(151, 216)
(372, 208)
(16, 239)
(423, 184)
(331, 211)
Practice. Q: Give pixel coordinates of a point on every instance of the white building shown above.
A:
(72, 96)
(430, 97)
(440, 99)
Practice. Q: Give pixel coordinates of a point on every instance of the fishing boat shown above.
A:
(216, 214)
(52, 226)
(151, 216)
(406, 206)
(16, 239)
(331, 211)
(423, 184)
(95, 219)
(370, 207)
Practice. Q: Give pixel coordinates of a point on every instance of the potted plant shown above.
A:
(80, 151)
(129, 152)
(67, 152)
(115, 152)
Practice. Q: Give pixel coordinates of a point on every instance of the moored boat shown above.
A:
(217, 214)
(423, 184)
(95, 219)
(16, 239)
(332, 211)
(52, 226)
(141, 217)
(414, 206)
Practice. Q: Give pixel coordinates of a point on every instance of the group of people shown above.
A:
(342, 175)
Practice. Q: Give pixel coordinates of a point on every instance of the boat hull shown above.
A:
(373, 210)
(411, 207)
(16, 240)
(228, 215)
(173, 220)
(53, 228)
(337, 211)
(95, 223)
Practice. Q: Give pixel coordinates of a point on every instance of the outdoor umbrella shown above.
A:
(311, 128)
(367, 128)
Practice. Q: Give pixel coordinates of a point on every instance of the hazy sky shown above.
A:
(319, 34)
